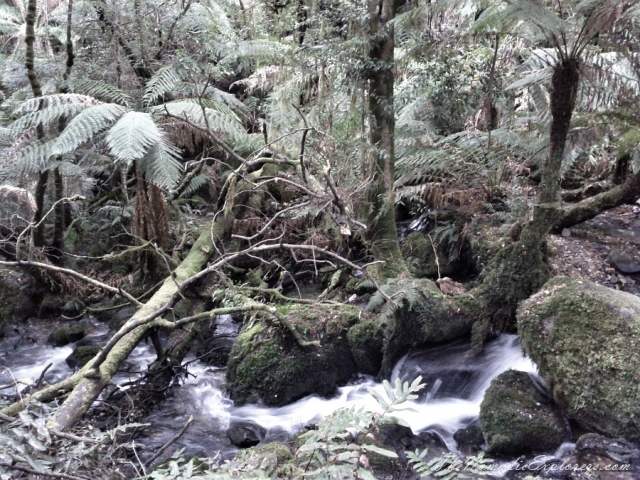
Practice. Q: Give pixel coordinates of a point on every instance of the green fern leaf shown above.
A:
(102, 91)
(161, 166)
(86, 125)
(164, 80)
(132, 136)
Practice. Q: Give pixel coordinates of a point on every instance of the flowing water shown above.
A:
(455, 384)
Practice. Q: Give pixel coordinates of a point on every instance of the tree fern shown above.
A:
(163, 81)
(86, 125)
(132, 136)
(160, 165)
(102, 91)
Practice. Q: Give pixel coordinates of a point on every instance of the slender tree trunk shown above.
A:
(34, 82)
(382, 233)
(58, 181)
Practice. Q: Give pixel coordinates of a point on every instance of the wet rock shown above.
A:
(17, 293)
(566, 232)
(516, 417)
(267, 365)
(246, 434)
(215, 340)
(625, 260)
(81, 355)
(73, 307)
(610, 459)
(121, 317)
(585, 340)
(65, 335)
(418, 253)
(470, 438)
(51, 306)
(365, 341)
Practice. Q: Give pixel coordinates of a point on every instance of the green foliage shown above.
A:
(29, 443)
(450, 466)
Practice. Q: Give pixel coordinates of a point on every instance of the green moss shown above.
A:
(516, 418)
(266, 364)
(65, 335)
(432, 319)
(51, 305)
(585, 339)
(418, 254)
(9, 302)
(366, 341)
(85, 353)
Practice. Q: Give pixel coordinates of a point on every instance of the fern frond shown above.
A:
(161, 166)
(48, 109)
(164, 80)
(86, 125)
(196, 183)
(50, 101)
(102, 91)
(132, 136)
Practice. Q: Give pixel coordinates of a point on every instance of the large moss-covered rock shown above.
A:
(419, 255)
(585, 339)
(517, 418)
(423, 317)
(17, 291)
(64, 335)
(267, 365)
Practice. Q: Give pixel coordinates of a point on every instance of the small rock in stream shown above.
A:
(246, 434)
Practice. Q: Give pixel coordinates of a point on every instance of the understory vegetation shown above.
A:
(188, 159)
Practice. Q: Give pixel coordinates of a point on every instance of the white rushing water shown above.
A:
(455, 382)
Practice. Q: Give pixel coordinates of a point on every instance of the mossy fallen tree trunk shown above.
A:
(628, 192)
(91, 383)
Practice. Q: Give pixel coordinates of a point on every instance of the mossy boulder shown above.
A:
(419, 256)
(17, 291)
(517, 418)
(267, 365)
(51, 306)
(424, 317)
(365, 341)
(585, 340)
(81, 355)
(64, 335)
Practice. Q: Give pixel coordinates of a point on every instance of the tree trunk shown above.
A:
(519, 269)
(59, 223)
(628, 192)
(88, 388)
(34, 82)
(380, 200)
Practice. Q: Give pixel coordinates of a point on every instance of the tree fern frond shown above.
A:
(132, 136)
(196, 183)
(161, 166)
(538, 77)
(50, 101)
(502, 17)
(220, 120)
(164, 80)
(86, 125)
(102, 91)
